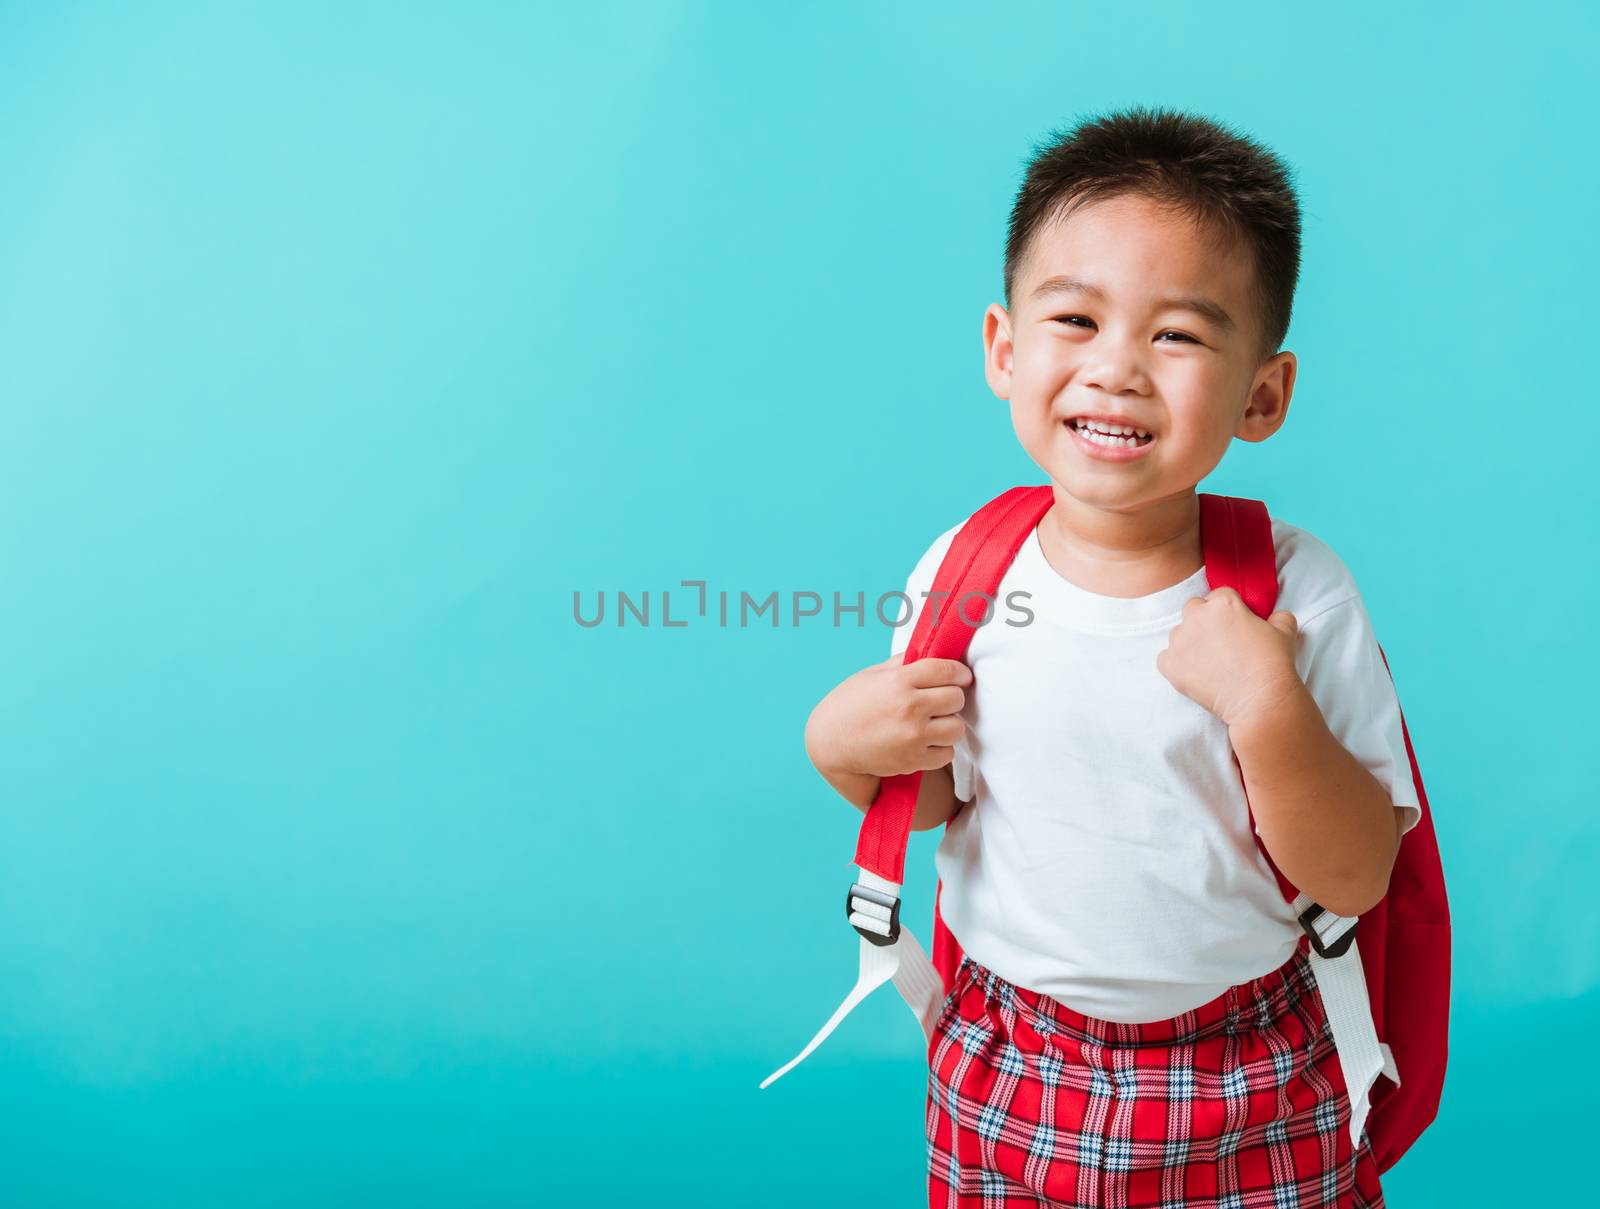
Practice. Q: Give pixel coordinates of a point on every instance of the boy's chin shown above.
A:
(1105, 491)
(1072, 468)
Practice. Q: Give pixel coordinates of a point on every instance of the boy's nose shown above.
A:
(1113, 365)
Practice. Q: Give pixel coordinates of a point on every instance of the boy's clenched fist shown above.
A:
(890, 718)
(1227, 659)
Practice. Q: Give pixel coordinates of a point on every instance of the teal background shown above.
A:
(341, 344)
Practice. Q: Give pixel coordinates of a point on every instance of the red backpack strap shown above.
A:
(975, 563)
(1236, 541)
(1236, 537)
(1405, 952)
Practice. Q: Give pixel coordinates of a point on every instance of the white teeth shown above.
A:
(1109, 434)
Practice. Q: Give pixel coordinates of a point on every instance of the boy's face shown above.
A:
(1123, 345)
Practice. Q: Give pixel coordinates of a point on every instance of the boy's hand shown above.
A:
(1227, 659)
(890, 718)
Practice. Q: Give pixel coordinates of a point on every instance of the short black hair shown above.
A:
(1192, 164)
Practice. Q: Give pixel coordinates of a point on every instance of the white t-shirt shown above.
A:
(1105, 857)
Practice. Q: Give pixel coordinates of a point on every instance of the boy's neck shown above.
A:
(1123, 554)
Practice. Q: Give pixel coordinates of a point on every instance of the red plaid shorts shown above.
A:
(1239, 1103)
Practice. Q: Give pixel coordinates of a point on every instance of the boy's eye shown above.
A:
(1072, 319)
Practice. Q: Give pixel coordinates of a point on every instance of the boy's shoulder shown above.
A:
(1311, 578)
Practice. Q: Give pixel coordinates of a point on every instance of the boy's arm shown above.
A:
(1309, 714)
(1327, 821)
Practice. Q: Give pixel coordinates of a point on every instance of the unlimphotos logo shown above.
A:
(730, 609)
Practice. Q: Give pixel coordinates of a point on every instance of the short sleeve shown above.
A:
(1339, 660)
(920, 581)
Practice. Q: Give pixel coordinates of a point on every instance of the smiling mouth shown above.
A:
(1112, 436)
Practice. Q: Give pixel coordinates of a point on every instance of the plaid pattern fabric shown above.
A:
(1237, 1104)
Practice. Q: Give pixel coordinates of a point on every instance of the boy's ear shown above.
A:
(997, 350)
(1268, 405)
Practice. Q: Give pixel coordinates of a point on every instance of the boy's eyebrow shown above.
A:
(1075, 285)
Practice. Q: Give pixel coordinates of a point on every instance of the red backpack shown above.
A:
(1404, 947)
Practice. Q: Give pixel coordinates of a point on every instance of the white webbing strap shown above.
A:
(1342, 982)
(905, 962)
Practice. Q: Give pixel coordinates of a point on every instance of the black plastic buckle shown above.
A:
(883, 900)
(1339, 947)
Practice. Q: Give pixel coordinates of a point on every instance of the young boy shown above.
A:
(1136, 1020)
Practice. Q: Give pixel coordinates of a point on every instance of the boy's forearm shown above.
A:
(857, 788)
(936, 798)
(1326, 820)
